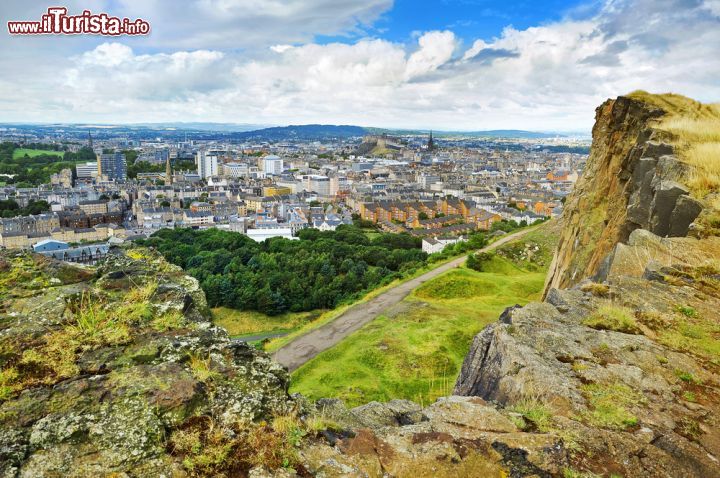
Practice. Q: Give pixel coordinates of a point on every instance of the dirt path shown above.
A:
(307, 346)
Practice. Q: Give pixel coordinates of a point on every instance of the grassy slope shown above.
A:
(415, 352)
(250, 322)
(21, 152)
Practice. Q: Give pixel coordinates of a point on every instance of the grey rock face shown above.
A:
(544, 352)
(658, 202)
(685, 212)
(666, 197)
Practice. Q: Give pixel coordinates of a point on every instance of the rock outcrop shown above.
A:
(624, 352)
(454, 437)
(99, 366)
(632, 181)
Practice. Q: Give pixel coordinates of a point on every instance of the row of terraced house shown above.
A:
(428, 214)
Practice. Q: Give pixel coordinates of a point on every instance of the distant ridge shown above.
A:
(303, 132)
(496, 133)
(256, 132)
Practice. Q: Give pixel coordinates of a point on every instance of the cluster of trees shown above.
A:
(84, 155)
(10, 208)
(320, 271)
(135, 167)
(31, 171)
(143, 167)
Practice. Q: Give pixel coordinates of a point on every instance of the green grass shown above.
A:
(250, 322)
(329, 316)
(417, 353)
(535, 412)
(610, 405)
(613, 317)
(21, 152)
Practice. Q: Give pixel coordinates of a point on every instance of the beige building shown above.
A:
(101, 232)
(94, 207)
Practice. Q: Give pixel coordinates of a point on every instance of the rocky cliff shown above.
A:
(633, 181)
(622, 357)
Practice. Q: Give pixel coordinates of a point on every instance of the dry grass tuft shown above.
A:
(695, 130)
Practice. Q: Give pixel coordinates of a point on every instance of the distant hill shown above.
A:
(497, 133)
(198, 126)
(513, 133)
(303, 132)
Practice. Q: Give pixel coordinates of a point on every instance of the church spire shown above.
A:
(90, 143)
(168, 173)
(431, 142)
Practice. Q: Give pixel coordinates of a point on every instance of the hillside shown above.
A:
(306, 132)
(415, 349)
(654, 165)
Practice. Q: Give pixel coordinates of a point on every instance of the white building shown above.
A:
(431, 245)
(318, 184)
(273, 165)
(207, 164)
(259, 235)
(87, 170)
(236, 170)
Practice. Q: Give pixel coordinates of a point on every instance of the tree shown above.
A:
(478, 261)
(423, 216)
(321, 270)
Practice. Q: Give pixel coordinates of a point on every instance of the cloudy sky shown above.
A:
(440, 64)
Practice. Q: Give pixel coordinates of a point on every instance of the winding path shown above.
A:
(296, 353)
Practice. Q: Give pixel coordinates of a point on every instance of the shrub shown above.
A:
(611, 317)
(687, 377)
(209, 448)
(598, 290)
(477, 262)
(201, 368)
(686, 310)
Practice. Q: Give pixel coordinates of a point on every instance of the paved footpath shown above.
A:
(296, 353)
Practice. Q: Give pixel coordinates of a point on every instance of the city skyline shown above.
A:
(451, 65)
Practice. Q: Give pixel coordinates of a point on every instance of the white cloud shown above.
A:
(436, 48)
(544, 77)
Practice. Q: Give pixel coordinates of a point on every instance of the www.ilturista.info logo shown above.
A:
(57, 22)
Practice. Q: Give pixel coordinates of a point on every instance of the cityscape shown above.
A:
(433, 187)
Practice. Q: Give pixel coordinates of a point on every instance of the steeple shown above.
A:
(90, 144)
(430, 143)
(168, 173)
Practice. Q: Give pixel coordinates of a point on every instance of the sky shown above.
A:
(431, 64)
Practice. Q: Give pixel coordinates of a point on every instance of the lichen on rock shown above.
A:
(100, 365)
